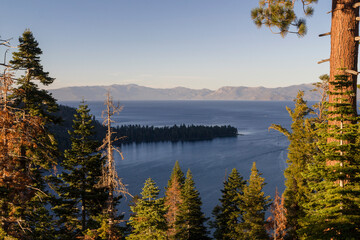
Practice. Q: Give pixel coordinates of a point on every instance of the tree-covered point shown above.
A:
(137, 133)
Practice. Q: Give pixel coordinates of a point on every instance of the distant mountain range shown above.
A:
(136, 92)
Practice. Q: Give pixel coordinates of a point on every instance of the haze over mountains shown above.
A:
(136, 92)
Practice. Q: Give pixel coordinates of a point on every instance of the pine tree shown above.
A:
(301, 151)
(333, 208)
(148, 220)
(254, 206)
(191, 221)
(37, 102)
(18, 129)
(36, 151)
(81, 199)
(277, 222)
(228, 215)
(173, 199)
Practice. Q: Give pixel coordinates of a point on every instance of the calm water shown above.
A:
(209, 161)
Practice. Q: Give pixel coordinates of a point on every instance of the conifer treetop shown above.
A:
(28, 58)
(150, 191)
(177, 174)
(281, 15)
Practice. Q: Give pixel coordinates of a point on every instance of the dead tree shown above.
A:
(110, 179)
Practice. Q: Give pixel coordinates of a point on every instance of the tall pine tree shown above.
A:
(37, 102)
(191, 220)
(148, 221)
(173, 199)
(254, 204)
(19, 130)
(301, 151)
(36, 158)
(81, 198)
(228, 215)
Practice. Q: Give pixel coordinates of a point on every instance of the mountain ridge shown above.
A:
(137, 92)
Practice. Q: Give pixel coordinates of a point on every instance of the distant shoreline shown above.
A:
(134, 92)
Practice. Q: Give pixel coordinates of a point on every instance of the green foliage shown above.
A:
(38, 102)
(177, 174)
(280, 14)
(333, 211)
(81, 197)
(254, 205)
(301, 151)
(61, 130)
(148, 219)
(37, 152)
(191, 220)
(228, 215)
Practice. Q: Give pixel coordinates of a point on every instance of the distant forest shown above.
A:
(138, 133)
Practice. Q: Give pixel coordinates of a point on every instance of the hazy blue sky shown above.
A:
(166, 43)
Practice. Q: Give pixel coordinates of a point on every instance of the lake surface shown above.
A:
(209, 161)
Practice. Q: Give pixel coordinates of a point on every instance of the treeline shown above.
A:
(138, 134)
(178, 215)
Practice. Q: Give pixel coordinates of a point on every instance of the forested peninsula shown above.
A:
(140, 134)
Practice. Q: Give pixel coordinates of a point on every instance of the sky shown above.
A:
(166, 43)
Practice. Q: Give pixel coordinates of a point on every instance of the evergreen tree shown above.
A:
(148, 220)
(228, 215)
(301, 151)
(37, 102)
(254, 206)
(36, 153)
(19, 130)
(333, 208)
(191, 221)
(173, 199)
(82, 199)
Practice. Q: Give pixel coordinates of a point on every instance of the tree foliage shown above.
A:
(301, 151)
(148, 220)
(280, 14)
(191, 221)
(35, 149)
(254, 205)
(333, 208)
(228, 215)
(81, 200)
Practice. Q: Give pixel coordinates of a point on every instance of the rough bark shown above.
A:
(344, 48)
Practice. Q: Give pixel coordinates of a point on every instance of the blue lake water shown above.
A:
(209, 161)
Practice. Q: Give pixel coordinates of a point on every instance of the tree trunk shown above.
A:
(343, 56)
(344, 49)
